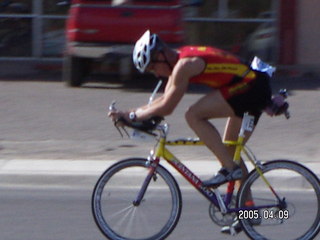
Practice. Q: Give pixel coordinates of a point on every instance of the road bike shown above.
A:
(140, 199)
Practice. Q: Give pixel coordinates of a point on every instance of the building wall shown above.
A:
(308, 33)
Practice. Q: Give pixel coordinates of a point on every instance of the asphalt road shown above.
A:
(46, 120)
(65, 214)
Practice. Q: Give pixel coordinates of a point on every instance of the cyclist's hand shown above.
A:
(115, 115)
(118, 115)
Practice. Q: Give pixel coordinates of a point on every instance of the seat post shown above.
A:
(246, 125)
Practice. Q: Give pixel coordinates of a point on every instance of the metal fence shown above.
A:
(35, 28)
(28, 30)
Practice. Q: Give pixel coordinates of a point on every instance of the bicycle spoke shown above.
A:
(120, 212)
(130, 221)
(117, 216)
(290, 218)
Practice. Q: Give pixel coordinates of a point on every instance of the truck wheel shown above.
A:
(75, 69)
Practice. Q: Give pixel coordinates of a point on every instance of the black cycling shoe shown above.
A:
(223, 176)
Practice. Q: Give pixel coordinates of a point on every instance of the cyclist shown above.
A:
(236, 89)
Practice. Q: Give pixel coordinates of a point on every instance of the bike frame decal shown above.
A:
(189, 176)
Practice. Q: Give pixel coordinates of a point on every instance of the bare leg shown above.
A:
(231, 134)
(213, 105)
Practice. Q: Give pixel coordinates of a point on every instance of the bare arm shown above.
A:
(175, 89)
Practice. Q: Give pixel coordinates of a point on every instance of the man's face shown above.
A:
(159, 66)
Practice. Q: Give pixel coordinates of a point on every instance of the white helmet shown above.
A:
(143, 50)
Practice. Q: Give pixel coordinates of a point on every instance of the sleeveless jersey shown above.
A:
(222, 68)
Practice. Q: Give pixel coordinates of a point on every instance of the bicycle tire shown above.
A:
(300, 187)
(112, 202)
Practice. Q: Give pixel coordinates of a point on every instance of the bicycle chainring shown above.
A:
(222, 219)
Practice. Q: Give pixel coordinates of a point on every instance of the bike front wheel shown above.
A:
(114, 208)
(288, 210)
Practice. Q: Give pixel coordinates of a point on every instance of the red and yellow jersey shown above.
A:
(221, 67)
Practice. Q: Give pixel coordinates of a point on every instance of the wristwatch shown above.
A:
(132, 116)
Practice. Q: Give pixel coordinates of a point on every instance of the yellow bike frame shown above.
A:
(162, 152)
(212, 194)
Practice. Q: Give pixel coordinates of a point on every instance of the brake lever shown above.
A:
(112, 108)
(284, 93)
(287, 114)
(120, 129)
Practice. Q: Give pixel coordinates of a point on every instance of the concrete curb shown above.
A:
(84, 173)
(94, 167)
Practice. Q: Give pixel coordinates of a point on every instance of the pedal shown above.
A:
(233, 231)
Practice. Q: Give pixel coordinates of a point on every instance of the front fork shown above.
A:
(151, 164)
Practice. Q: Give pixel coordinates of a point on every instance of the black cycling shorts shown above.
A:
(255, 99)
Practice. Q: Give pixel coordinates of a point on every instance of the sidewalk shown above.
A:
(84, 173)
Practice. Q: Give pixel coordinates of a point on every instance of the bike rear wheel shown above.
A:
(113, 198)
(298, 189)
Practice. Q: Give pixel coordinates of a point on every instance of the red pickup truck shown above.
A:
(100, 29)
